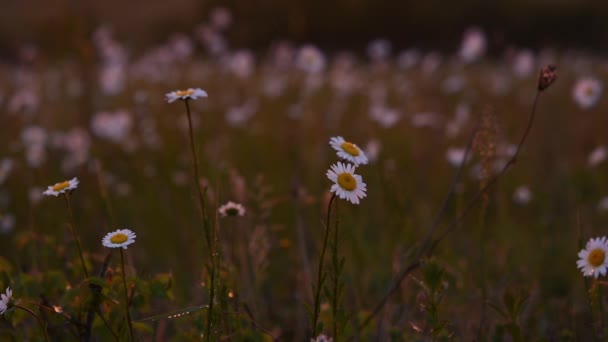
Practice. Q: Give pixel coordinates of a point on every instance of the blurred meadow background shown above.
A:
(82, 94)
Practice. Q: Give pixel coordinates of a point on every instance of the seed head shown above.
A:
(547, 76)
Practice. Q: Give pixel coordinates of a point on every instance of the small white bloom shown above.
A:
(5, 300)
(190, 93)
(119, 238)
(522, 195)
(348, 151)
(231, 209)
(61, 188)
(592, 260)
(455, 156)
(348, 185)
(310, 59)
(322, 338)
(597, 156)
(603, 204)
(473, 45)
(586, 92)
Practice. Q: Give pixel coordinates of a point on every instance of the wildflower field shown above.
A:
(196, 192)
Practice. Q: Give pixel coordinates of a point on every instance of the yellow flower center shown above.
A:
(596, 257)
(61, 186)
(350, 148)
(347, 181)
(119, 238)
(182, 93)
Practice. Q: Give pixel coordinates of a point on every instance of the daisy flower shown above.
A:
(5, 301)
(61, 188)
(322, 338)
(348, 151)
(119, 238)
(348, 185)
(190, 93)
(593, 261)
(231, 209)
(587, 92)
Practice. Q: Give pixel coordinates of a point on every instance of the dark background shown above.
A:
(57, 26)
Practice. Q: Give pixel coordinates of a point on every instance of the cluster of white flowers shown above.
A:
(347, 185)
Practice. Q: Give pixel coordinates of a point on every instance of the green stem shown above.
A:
(201, 197)
(209, 233)
(320, 279)
(42, 326)
(336, 280)
(72, 227)
(124, 282)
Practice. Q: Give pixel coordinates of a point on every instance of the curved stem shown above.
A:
(72, 227)
(42, 326)
(416, 262)
(320, 276)
(124, 282)
(201, 197)
(336, 278)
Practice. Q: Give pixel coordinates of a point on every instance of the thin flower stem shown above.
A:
(72, 227)
(42, 326)
(416, 262)
(124, 282)
(336, 278)
(201, 197)
(209, 233)
(320, 278)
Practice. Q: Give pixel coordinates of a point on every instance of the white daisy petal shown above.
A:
(119, 238)
(348, 151)
(593, 260)
(232, 209)
(347, 185)
(61, 188)
(190, 93)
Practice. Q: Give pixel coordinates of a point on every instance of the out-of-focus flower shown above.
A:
(220, 18)
(603, 204)
(35, 195)
(592, 260)
(348, 151)
(322, 338)
(242, 64)
(190, 93)
(428, 119)
(34, 135)
(587, 92)
(6, 300)
(310, 59)
(523, 63)
(372, 149)
(113, 126)
(522, 195)
(408, 58)
(384, 116)
(347, 184)
(231, 209)
(112, 79)
(455, 155)
(7, 223)
(453, 84)
(119, 238)
(473, 45)
(6, 166)
(597, 156)
(238, 116)
(379, 49)
(61, 188)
